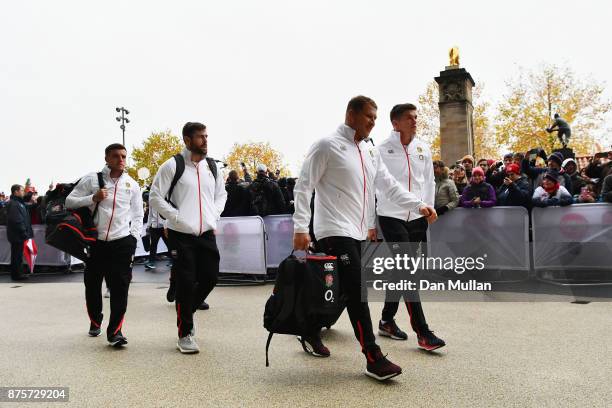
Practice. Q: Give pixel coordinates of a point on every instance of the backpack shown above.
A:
(259, 197)
(180, 169)
(306, 297)
(70, 231)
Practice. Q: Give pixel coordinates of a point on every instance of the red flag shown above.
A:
(30, 250)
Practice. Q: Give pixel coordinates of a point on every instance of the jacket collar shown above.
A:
(106, 171)
(19, 199)
(346, 132)
(187, 155)
(397, 139)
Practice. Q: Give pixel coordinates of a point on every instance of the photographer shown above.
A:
(536, 174)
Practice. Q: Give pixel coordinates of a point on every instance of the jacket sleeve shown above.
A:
(15, 219)
(539, 198)
(492, 198)
(136, 212)
(278, 197)
(313, 169)
(388, 185)
(429, 195)
(465, 200)
(453, 195)
(606, 189)
(565, 198)
(220, 195)
(82, 194)
(530, 171)
(159, 189)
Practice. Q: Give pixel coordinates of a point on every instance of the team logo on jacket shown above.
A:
(390, 151)
(329, 280)
(128, 185)
(421, 157)
(329, 266)
(419, 149)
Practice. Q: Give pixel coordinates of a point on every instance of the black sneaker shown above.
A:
(391, 330)
(117, 340)
(314, 346)
(378, 367)
(428, 341)
(94, 330)
(171, 294)
(204, 306)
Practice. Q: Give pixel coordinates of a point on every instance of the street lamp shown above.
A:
(123, 119)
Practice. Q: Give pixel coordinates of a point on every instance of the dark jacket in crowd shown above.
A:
(577, 183)
(515, 194)
(266, 192)
(238, 203)
(495, 177)
(18, 227)
(606, 189)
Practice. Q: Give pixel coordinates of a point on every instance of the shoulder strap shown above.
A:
(267, 347)
(101, 184)
(178, 173)
(212, 166)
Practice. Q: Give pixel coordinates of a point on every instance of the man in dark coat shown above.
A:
(238, 202)
(18, 230)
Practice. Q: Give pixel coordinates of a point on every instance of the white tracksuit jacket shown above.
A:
(199, 199)
(120, 213)
(412, 167)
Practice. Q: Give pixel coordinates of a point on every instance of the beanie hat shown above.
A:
(478, 170)
(513, 168)
(508, 156)
(566, 161)
(552, 177)
(490, 162)
(556, 157)
(467, 157)
(262, 167)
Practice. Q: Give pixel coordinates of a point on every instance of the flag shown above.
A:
(30, 250)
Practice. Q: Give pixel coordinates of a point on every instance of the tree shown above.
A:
(254, 153)
(429, 122)
(153, 152)
(535, 95)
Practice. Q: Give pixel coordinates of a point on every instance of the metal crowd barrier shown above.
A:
(569, 243)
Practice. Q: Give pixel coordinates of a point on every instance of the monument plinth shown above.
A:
(455, 102)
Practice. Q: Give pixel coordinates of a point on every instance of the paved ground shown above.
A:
(498, 354)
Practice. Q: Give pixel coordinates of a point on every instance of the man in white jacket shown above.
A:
(191, 210)
(409, 161)
(345, 172)
(118, 219)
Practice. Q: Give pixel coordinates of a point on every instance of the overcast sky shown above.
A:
(277, 71)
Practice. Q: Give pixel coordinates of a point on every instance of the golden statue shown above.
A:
(453, 56)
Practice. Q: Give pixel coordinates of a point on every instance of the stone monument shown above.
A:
(455, 102)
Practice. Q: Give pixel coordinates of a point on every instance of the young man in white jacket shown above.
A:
(409, 161)
(345, 172)
(118, 220)
(191, 214)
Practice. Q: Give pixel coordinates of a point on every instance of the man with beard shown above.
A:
(191, 205)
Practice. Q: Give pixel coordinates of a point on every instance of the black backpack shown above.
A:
(306, 297)
(180, 169)
(259, 196)
(70, 231)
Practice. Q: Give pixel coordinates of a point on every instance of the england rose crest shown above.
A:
(329, 280)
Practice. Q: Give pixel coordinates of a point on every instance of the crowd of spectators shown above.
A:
(529, 180)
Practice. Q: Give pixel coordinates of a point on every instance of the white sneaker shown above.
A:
(187, 345)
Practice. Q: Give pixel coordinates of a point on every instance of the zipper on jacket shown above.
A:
(199, 196)
(113, 211)
(409, 175)
(364, 188)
